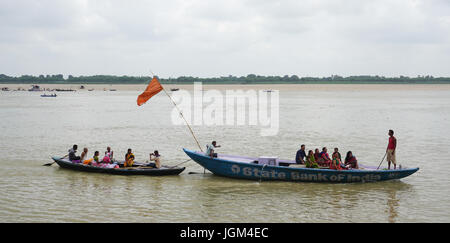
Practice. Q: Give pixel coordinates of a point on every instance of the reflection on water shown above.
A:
(392, 207)
(34, 129)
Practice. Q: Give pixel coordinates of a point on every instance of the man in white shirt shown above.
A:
(210, 149)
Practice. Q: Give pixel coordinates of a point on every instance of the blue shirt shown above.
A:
(300, 154)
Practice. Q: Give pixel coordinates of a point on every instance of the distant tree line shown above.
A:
(249, 79)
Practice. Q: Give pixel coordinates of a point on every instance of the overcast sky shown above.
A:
(210, 38)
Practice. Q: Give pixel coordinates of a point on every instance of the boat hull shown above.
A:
(121, 171)
(252, 171)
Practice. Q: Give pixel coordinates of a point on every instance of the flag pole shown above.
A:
(181, 113)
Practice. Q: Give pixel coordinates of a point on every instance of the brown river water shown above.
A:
(350, 117)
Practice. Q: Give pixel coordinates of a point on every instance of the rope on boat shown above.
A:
(180, 163)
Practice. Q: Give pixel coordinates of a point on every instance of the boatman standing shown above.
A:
(390, 151)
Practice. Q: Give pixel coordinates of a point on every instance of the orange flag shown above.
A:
(152, 89)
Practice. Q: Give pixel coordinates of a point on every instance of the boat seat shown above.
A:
(297, 166)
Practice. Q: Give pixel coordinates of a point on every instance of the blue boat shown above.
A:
(46, 95)
(272, 168)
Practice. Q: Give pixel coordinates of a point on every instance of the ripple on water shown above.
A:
(357, 121)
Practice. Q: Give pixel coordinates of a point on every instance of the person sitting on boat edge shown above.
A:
(351, 161)
(324, 158)
(300, 156)
(84, 156)
(96, 161)
(72, 155)
(100, 163)
(210, 149)
(311, 160)
(336, 151)
(316, 154)
(336, 163)
(108, 155)
(129, 159)
(156, 158)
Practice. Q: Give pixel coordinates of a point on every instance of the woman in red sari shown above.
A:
(324, 158)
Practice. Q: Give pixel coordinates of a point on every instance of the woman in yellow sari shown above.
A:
(129, 159)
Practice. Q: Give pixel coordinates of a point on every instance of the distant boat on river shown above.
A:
(50, 95)
(35, 88)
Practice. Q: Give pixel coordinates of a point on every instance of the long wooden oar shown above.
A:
(382, 160)
(49, 164)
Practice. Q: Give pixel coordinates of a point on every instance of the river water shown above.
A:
(357, 119)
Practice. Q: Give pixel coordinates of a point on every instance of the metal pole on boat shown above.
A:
(382, 160)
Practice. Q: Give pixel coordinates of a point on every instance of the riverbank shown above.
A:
(281, 87)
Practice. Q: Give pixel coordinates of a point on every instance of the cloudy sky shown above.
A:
(210, 38)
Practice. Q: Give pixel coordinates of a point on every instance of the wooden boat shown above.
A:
(272, 168)
(137, 169)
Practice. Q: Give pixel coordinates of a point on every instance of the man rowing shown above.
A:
(72, 154)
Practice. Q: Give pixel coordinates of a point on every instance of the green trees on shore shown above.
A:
(249, 79)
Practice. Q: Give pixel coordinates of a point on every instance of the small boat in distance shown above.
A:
(174, 89)
(50, 95)
(268, 90)
(274, 169)
(5, 89)
(35, 88)
(65, 90)
(90, 89)
(137, 169)
(112, 89)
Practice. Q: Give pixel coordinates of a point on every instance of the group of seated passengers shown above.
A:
(322, 159)
(108, 161)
